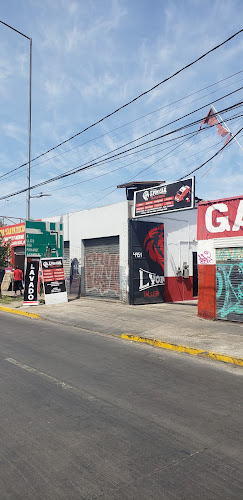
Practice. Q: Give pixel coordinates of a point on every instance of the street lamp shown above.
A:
(40, 195)
(29, 128)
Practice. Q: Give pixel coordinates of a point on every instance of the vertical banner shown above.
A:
(146, 262)
(31, 281)
(54, 280)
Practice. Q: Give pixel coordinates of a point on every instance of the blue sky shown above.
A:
(90, 57)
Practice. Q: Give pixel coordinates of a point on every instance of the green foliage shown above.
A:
(5, 250)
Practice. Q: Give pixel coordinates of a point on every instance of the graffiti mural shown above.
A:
(102, 274)
(229, 284)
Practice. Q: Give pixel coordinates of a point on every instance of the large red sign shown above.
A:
(220, 218)
(15, 233)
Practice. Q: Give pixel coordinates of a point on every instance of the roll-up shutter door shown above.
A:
(102, 267)
(229, 284)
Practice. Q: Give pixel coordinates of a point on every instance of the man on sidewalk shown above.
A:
(18, 278)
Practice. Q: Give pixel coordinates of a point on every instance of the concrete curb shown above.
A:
(146, 340)
(188, 350)
(20, 313)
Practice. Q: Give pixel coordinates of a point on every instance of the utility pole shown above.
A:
(29, 125)
(29, 141)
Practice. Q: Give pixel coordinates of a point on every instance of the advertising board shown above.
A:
(146, 262)
(44, 239)
(15, 233)
(220, 218)
(165, 198)
(54, 280)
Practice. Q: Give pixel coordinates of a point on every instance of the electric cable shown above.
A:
(99, 199)
(81, 168)
(72, 150)
(155, 130)
(127, 180)
(151, 132)
(216, 154)
(139, 96)
(194, 135)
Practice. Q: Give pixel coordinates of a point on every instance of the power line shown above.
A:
(68, 173)
(137, 97)
(128, 179)
(145, 169)
(69, 151)
(216, 154)
(89, 164)
(189, 135)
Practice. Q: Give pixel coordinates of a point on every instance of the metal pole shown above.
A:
(29, 132)
(29, 142)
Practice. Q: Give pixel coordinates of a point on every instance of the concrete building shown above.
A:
(220, 259)
(98, 253)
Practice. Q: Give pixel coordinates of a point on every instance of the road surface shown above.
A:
(85, 416)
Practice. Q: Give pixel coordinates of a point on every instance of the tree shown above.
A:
(5, 250)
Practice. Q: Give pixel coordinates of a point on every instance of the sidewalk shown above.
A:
(175, 323)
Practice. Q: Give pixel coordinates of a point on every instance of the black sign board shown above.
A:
(146, 262)
(165, 198)
(54, 280)
(31, 281)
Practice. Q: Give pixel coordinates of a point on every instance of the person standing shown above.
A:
(18, 278)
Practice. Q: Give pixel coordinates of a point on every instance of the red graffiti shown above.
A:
(154, 245)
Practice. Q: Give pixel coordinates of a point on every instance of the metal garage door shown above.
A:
(101, 267)
(229, 284)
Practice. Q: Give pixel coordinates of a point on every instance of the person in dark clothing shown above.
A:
(18, 278)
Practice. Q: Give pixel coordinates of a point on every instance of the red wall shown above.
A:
(207, 291)
(178, 288)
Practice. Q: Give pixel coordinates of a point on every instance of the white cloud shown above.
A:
(56, 89)
(15, 131)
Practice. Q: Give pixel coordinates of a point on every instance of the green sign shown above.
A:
(43, 239)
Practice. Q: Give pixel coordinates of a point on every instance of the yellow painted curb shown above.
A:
(182, 348)
(20, 313)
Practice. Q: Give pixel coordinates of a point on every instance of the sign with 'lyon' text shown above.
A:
(146, 262)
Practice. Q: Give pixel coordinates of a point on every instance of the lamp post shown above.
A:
(29, 126)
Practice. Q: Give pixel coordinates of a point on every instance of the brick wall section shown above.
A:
(102, 274)
(207, 291)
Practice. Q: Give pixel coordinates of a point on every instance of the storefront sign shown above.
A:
(44, 239)
(54, 281)
(15, 233)
(164, 198)
(31, 281)
(146, 262)
(220, 219)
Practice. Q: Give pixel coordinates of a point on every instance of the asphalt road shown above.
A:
(85, 416)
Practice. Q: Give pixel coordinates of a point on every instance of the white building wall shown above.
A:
(180, 233)
(110, 220)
